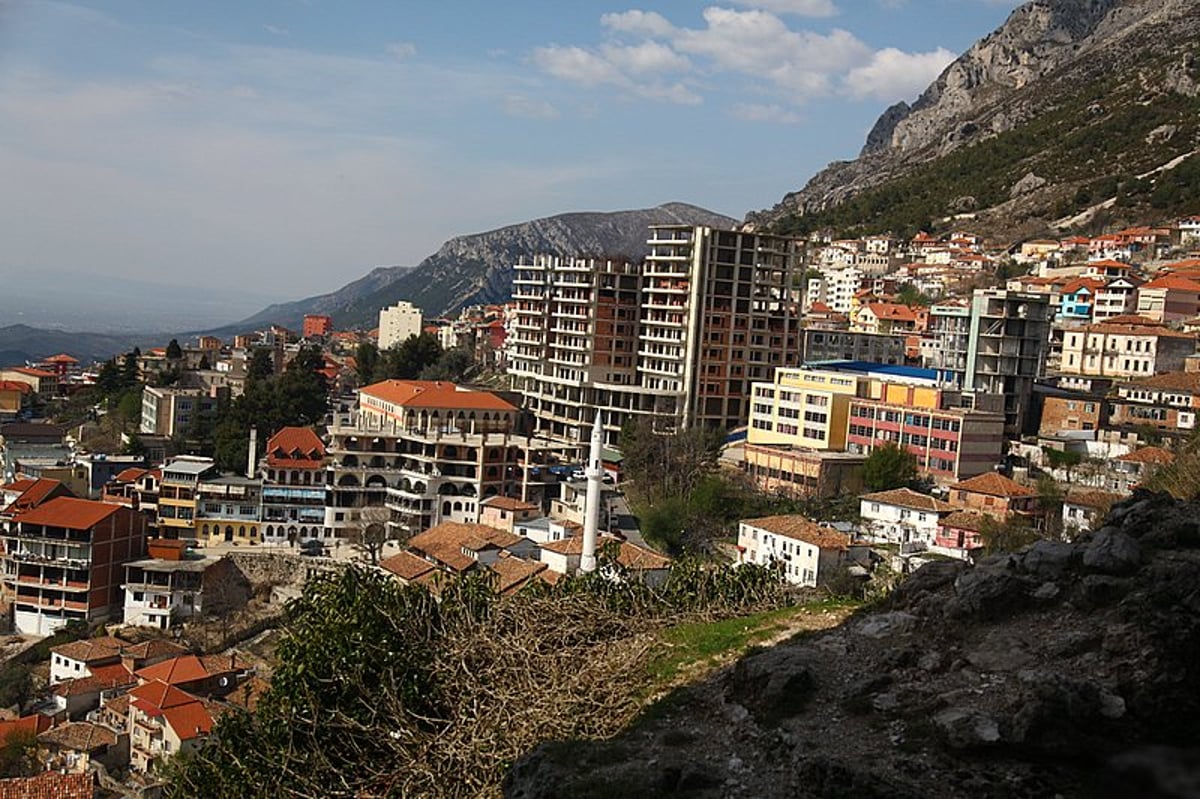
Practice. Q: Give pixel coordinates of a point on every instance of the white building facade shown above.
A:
(398, 323)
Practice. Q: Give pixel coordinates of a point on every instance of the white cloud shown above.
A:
(522, 107)
(799, 8)
(755, 112)
(577, 65)
(401, 51)
(893, 74)
(647, 57)
(645, 23)
(277, 30)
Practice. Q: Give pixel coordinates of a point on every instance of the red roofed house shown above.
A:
(503, 513)
(49, 785)
(1169, 298)
(808, 553)
(61, 364)
(887, 317)
(993, 494)
(27, 494)
(162, 722)
(15, 396)
(64, 561)
(293, 492)
(902, 516)
(1166, 402)
(43, 382)
(430, 450)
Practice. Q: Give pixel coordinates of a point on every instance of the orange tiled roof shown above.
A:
(32, 372)
(435, 394)
(16, 385)
(34, 493)
(1171, 381)
(156, 696)
(132, 474)
(892, 311)
(90, 650)
(293, 444)
(799, 528)
(1173, 283)
(73, 514)
(993, 484)
(62, 357)
(514, 573)
(406, 565)
(1148, 455)
(79, 736)
(631, 556)
(48, 785)
(1090, 498)
(30, 725)
(190, 720)
(444, 543)
(965, 520)
(175, 671)
(508, 503)
(907, 498)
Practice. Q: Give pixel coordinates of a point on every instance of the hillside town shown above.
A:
(954, 390)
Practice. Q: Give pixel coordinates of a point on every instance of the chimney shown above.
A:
(250, 456)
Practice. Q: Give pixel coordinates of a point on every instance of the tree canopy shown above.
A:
(889, 466)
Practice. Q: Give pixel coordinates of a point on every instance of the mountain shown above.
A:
(335, 303)
(1066, 669)
(478, 268)
(1069, 105)
(21, 343)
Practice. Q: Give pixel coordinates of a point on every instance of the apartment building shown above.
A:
(397, 323)
(1125, 349)
(167, 587)
(1166, 402)
(994, 347)
(430, 451)
(802, 408)
(169, 411)
(228, 509)
(1118, 297)
(64, 561)
(1169, 298)
(714, 311)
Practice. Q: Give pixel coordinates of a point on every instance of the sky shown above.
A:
(282, 148)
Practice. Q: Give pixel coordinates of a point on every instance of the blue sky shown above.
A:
(286, 147)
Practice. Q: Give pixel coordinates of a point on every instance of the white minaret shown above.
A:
(591, 510)
(250, 458)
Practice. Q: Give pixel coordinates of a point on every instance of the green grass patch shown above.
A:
(687, 645)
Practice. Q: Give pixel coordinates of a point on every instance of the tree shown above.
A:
(366, 358)
(1067, 460)
(889, 466)
(261, 365)
(370, 532)
(174, 351)
(910, 295)
(18, 754)
(1007, 535)
(204, 362)
(130, 374)
(454, 365)
(408, 359)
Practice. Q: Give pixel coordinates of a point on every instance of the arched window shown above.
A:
(242, 531)
(445, 508)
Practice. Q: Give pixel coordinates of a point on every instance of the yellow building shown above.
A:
(177, 495)
(802, 408)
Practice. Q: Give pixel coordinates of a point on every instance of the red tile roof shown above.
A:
(1188, 382)
(907, 498)
(73, 514)
(631, 556)
(965, 520)
(514, 573)
(799, 528)
(189, 721)
(1173, 283)
(90, 650)
(993, 484)
(155, 697)
(445, 542)
(176, 671)
(295, 447)
(48, 785)
(29, 370)
(1148, 455)
(130, 475)
(16, 385)
(79, 736)
(406, 565)
(508, 503)
(435, 394)
(62, 357)
(34, 493)
(29, 725)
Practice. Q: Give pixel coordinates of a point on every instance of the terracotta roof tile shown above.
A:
(1173, 283)
(508, 503)
(907, 498)
(190, 720)
(28, 725)
(435, 394)
(48, 785)
(444, 543)
(1089, 498)
(176, 671)
(1171, 381)
(799, 528)
(514, 573)
(631, 556)
(90, 650)
(295, 443)
(406, 565)
(79, 736)
(964, 520)
(1148, 455)
(993, 484)
(156, 696)
(73, 514)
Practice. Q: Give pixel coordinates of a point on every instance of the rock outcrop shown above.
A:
(1044, 52)
(1067, 669)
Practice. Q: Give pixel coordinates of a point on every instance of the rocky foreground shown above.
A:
(1069, 669)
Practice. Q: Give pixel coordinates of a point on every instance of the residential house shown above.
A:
(81, 658)
(995, 495)
(293, 487)
(1135, 468)
(178, 494)
(504, 513)
(49, 785)
(807, 553)
(888, 318)
(1077, 299)
(162, 722)
(228, 509)
(1169, 298)
(43, 382)
(171, 411)
(71, 748)
(1084, 509)
(166, 588)
(902, 516)
(15, 397)
(1125, 347)
(819, 345)
(961, 532)
(800, 472)
(64, 561)
(1166, 402)
(1118, 297)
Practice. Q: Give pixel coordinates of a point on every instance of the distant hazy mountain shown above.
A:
(478, 268)
(21, 343)
(1069, 104)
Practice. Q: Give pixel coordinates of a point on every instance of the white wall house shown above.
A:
(397, 323)
(902, 516)
(807, 552)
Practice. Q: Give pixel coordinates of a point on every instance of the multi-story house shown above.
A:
(64, 561)
(178, 492)
(1167, 402)
(293, 487)
(228, 509)
(43, 382)
(903, 516)
(839, 285)
(1169, 298)
(1077, 299)
(995, 495)
(431, 451)
(1124, 349)
(807, 553)
(162, 722)
(1118, 297)
(166, 588)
